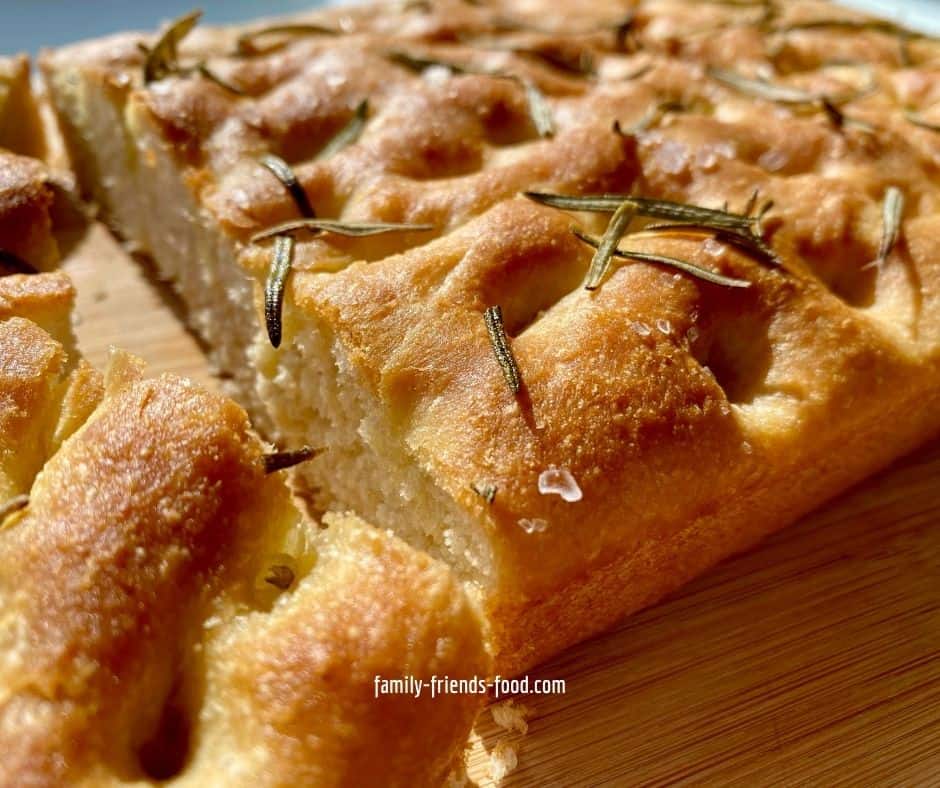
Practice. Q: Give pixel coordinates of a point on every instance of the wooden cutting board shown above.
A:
(814, 659)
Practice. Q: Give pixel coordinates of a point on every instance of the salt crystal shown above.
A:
(664, 327)
(713, 248)
(559, 481)
(641, 328)
(534, 526)
(436, 75)
(747, 448)
(673, 157)
(773, 160)
(692, 334)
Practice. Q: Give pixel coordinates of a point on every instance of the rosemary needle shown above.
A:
(917, 120)
(286, 175)
(247, 42)
(892, 213)
(351, 229)
(616, 228)
(493, 317)
(161, 60)
(672, 262)
(274, 287)
(349, 133)
(281, 460)
(203, 70)
(485, 490)
(539, 109)
(12, 506)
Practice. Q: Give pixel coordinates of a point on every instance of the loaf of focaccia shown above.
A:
(766, 334)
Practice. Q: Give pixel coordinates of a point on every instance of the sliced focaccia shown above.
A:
(165, 611)
(716, 306)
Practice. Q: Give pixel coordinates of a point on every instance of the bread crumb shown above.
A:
(510, 717)
(503, 759)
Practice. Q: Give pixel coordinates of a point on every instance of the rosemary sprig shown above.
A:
(672, 262)
(12, 506)
(917, 120)
(350, 229)
(493, 317)
(349, 133)
(163, 58)
(280, 576)
(247, 43)
(15, 263)
(661, 209)
(892, 213)
(616, 228)
(281, 460)
(485, 490)
(274, 287)
(286, 175)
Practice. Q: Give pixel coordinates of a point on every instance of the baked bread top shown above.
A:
(663, 397)
(165, 611)
(143, 639)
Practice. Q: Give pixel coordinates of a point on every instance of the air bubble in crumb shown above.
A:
(664, 327)
(503, 759)
(536, 525)
(559, 481)
(510, 717)
(641, 328)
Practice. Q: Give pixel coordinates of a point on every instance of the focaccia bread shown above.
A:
(165, 613)
(593, 448)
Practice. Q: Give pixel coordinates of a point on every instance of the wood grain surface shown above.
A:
(813, 660)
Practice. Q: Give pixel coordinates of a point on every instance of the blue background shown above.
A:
(27, 25)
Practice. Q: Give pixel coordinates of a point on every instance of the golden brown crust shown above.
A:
(681, 409)
(128, 594)
(46, 390)
(26, 199)
(316, 714)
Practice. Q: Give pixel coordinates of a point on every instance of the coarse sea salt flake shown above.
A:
(559, 481)
(535, 525)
